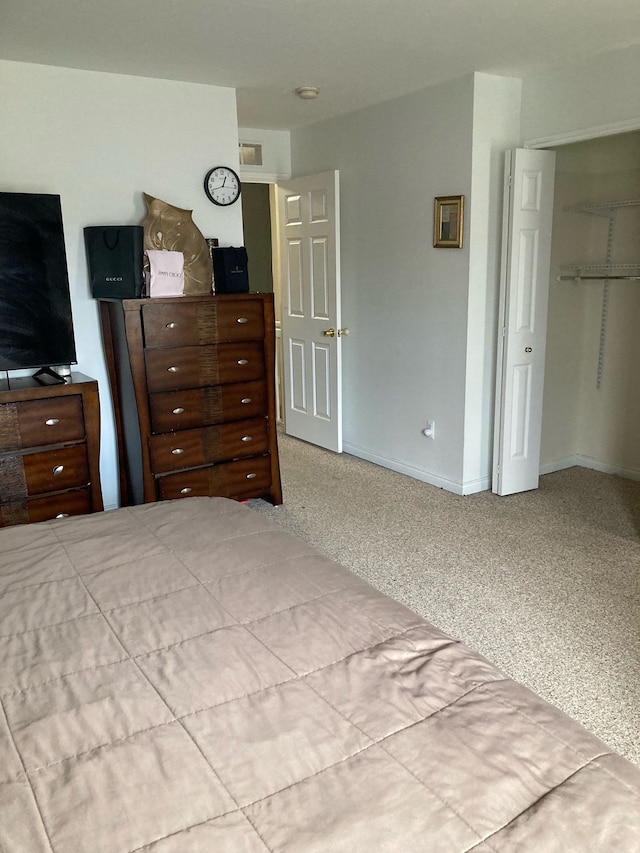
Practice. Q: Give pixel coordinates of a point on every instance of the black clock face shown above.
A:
(222, 185)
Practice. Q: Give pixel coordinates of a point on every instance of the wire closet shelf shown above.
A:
(608, 271)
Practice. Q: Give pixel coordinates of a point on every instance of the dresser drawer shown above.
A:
(192, 447)
(39, 473)
(197, 367)
(195, 323)
(194, 407)
(36, 423)
(230, 480)
(77, 502)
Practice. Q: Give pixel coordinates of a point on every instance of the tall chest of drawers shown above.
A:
(49, 450)
(193, 387)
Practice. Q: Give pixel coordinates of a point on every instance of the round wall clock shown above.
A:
(222, 185)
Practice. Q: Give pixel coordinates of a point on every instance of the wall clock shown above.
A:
(222, 185)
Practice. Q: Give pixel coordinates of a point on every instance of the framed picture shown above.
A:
(448, 217)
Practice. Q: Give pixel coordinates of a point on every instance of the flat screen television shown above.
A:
(36, 325)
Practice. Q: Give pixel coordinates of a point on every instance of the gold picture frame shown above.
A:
(448, 221)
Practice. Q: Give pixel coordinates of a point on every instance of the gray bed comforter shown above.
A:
(185, 676)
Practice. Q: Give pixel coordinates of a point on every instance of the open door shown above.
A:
(522, 329)
(309, 248)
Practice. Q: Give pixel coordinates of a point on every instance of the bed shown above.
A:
(186, 676)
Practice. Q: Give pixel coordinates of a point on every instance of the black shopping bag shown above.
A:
(115, 260)
(230, 273)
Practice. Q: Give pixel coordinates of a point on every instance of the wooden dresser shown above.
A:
(193, 385)
(49, 450)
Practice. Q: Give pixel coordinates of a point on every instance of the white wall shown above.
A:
(405, 303)
(602, 90)
(496, 127)
(422, 320)
(276, 155)
(100, 141)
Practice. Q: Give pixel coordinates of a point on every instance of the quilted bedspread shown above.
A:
(185, 676)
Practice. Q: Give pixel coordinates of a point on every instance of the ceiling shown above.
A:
(358, 52)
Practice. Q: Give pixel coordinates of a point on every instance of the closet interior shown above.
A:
(591, 412)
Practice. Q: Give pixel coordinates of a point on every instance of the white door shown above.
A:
(308, 222)
(524, 297)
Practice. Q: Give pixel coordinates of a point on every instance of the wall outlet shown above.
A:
(430, 431)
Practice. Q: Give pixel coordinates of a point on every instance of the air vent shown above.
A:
(250, 154)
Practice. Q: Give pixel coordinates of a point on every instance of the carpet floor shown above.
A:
(545, 584)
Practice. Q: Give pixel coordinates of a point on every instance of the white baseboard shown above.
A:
(418, 474)
(589, 462)
(471, 487)
(559, 465)
(483, 484)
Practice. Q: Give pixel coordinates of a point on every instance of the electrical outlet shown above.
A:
(430, 431)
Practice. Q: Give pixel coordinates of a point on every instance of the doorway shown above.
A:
(294, 229)
(591, 408)
(259, 216)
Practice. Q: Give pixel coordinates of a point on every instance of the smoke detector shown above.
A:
(307, 93)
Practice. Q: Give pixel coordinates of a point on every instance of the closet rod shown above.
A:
(598, 278)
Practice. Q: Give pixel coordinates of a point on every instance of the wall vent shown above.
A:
(250, 154)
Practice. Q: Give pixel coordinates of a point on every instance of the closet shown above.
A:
(591, 413)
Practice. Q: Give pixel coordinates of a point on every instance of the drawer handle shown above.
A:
(52, 421)
(251, 476)
(177, 451)
(172, 369)
(62, 515)
(178, 410)
(245, 400)
(243, 361)
(171, 325)
(242, 320)
(247, 438)
(186, 490)
(58, 470)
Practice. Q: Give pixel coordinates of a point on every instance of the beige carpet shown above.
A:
(546, 584)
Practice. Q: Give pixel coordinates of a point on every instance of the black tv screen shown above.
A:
(36, 326)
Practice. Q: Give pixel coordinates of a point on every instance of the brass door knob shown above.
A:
(329, 333)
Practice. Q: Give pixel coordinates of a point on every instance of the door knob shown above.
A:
(331, 333)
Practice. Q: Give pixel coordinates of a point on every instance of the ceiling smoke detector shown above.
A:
(307, 93)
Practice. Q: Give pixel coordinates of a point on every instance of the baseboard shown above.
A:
(416, 473)
(472, 487)
(589, 462)
(483, 484)
(559, 465)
